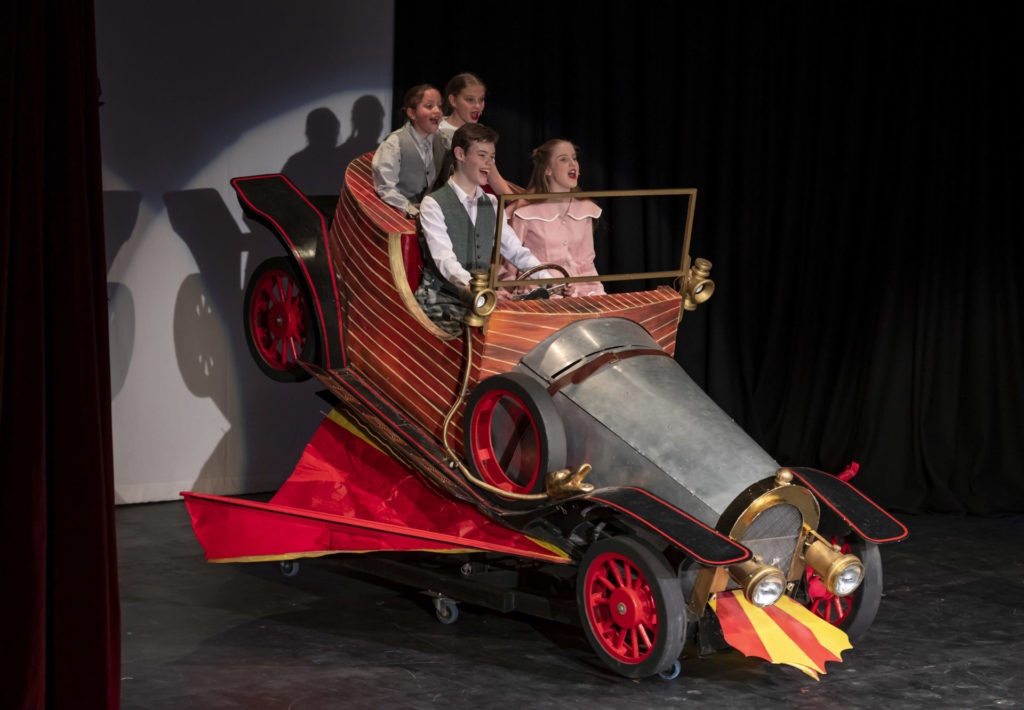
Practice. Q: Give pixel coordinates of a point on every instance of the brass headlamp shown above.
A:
(762, 584)
(698, 286)
(478, 299)
(841, 573)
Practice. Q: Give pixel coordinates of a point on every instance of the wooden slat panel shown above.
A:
(405, 362)
(513, 329)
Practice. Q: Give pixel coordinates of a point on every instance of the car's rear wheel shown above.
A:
(278, 324)
(632, 607)
(855, 612)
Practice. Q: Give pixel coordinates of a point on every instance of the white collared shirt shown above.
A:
(445, 132)
(387, 164)
(435, 231)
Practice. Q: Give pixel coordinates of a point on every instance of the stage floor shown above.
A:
(949, 634)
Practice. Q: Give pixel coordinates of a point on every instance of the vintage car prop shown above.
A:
(555, 432)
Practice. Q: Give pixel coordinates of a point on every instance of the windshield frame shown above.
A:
(684, 265)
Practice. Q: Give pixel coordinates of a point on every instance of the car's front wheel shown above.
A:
(632, 607)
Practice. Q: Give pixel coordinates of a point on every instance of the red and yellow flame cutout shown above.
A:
(783, 633)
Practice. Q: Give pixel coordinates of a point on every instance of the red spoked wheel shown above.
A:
(632, 608)
(513, 434)
(855, 612)
(278, 324)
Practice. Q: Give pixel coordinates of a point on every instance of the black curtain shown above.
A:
(857, 167)
(59, 592)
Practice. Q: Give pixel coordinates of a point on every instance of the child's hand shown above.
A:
(497, 182)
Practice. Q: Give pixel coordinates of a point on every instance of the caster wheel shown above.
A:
(447, 610)
(672, 672)
(289, 568)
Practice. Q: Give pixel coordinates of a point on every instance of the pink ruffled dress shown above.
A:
(560, 233)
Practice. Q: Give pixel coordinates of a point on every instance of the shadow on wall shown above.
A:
(212, 357)
(319, 168)
(120, 213)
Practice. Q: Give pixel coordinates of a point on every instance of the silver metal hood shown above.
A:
(641, 421)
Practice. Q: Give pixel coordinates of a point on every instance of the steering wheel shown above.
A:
(556, 288)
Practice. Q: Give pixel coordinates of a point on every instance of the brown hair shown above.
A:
(413, 97)
(464, 137)
(541, 159)
(455, 86)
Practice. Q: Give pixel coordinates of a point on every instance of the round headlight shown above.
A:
(762, 584)
(848, 579)
(841, 573)
(767, 590)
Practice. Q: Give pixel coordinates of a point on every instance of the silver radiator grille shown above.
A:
(773, 534)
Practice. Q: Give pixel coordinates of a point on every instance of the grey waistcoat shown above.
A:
(472, 243)
(413, 176)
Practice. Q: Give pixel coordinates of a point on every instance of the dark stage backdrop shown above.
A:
(858, 173)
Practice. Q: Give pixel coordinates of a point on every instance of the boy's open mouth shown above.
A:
(475, 116)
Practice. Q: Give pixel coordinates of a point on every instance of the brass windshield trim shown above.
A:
(684, 265)
(578, 279)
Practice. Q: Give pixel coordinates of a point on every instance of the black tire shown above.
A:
(631, 606)
(854, 613)
(277, 315)
(517, 409)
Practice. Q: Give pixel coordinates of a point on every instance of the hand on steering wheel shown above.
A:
(556, 288)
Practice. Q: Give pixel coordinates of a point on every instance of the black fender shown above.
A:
(647, 511)
(862, 514)
(303, 231)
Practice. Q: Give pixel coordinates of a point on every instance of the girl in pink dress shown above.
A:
(559, 231)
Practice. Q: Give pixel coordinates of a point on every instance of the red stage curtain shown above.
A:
(59, 592)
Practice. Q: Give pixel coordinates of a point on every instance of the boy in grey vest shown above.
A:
(458, 222)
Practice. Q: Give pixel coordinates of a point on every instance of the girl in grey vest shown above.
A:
(408, 159)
